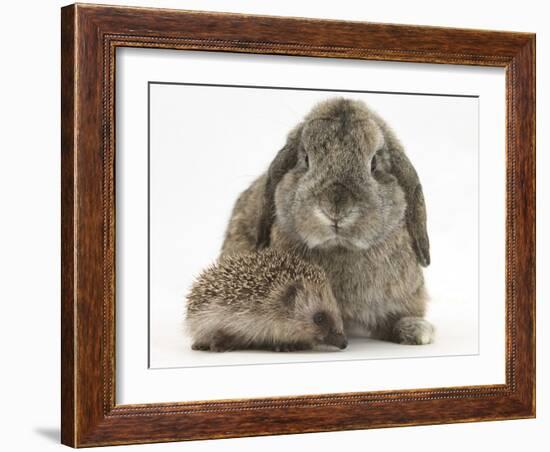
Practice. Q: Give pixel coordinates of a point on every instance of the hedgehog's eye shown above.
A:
(319, 318)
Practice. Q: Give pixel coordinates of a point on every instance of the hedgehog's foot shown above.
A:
(219, 341)
(200, 346)
(222, 342)
(291, 347)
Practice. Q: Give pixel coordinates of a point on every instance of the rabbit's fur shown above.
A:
(343, 194)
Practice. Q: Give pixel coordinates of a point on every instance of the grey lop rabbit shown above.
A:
(343, 194)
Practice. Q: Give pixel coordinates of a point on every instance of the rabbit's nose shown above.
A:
(338, 195)
(336, 205)
(334, 217)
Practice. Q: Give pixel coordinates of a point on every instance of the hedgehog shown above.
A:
(268, 300)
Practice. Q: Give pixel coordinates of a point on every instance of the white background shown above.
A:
(30, 226)
(209, 143)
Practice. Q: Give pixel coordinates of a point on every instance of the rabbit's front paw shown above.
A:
(413, 331)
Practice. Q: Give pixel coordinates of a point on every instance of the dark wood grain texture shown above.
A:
(90, 35)
(68, 311)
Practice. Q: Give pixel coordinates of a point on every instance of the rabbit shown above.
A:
(342, 194)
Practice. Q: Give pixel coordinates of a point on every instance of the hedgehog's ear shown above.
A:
(290, 293)
(415, 214)
(285, 160)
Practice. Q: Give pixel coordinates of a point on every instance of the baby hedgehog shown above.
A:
(267, 300)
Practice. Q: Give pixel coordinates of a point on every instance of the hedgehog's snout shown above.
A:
(337, 339)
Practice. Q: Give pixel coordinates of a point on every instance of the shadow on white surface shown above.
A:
(456, 335)
(50, 433)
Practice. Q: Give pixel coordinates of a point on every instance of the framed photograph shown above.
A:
(280, 225)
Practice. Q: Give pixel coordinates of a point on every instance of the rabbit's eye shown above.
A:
(373, 164)
(306, 160)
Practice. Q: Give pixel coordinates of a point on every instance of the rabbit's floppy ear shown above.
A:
(283, 161)
(416, 207)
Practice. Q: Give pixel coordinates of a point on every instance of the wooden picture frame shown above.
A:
(90, 35)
